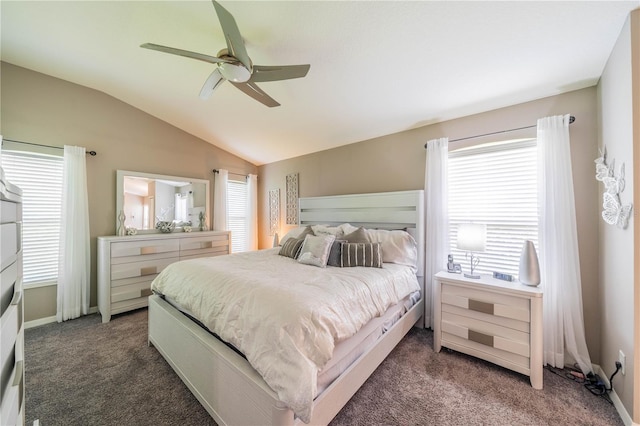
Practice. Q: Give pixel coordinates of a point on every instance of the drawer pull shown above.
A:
(145, 292)
(17, 297)
(147, 250)
(149, 270)
(206, 244)
(478, 306)
(481, 338)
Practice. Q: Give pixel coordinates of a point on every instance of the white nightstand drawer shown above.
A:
(141, 248)
(487, 334)
(523, 326)
(139, 269)
(500, 305)
(515, 362)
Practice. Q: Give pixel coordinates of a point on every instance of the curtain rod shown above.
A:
(92, 153)
(216, 171)
(571, 120)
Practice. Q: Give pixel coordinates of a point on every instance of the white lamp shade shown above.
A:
(472, 236)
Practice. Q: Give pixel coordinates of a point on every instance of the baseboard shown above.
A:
(617, 403)
(48, 320)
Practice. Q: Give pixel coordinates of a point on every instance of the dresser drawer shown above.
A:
(213, 245)
(499, 305)
(9, 245)
(131, 291)
(139, 269)
(9, 328)
(144, 248)
(8, 279)
(9, 212)
(12, 397)
(127, 305)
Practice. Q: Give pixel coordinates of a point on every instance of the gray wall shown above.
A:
(619, 126)
(397, 162)
(41, 109)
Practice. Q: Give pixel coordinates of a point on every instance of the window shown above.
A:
(40, 178)
(237, 214)
(495, 184)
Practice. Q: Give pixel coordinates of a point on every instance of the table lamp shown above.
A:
(472, 237)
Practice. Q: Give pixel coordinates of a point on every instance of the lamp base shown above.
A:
(476, 277)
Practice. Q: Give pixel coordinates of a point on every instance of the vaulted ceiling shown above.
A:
(377, 67)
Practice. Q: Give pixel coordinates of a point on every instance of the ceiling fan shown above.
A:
(233, 63)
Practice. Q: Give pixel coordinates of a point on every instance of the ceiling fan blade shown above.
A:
(212, 83)
(232, 35)
(256, 93)
(185, 53)
(274, 73)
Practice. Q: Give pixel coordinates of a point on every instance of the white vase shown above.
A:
(529, 273)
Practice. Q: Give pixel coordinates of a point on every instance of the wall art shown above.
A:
(274, 211)
(613, 211)
(292, 199)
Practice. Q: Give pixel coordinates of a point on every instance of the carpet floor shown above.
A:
(83, 372)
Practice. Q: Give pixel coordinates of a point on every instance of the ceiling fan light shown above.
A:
(236, 73)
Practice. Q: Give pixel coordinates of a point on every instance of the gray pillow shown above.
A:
(334, 254)
(357, 236)
(361, 254)
(291, 248)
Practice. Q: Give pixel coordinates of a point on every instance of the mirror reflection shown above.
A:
(148, 199)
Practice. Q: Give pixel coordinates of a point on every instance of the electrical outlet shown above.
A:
(622, 358)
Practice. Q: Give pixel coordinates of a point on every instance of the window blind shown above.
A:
(237, 214)
(40, 178)
(495, 184)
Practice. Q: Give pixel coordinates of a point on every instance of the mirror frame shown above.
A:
(120, 174)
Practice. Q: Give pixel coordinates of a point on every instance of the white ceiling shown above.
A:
(377, 67)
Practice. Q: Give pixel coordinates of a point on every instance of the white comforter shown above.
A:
(285, 317)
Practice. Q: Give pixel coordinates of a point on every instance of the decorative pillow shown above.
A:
(347, 228)
(397, 246)
(357, 236)
(361, 254)
(335, 253)
(291, 248)
(327, 230)
(315, 250)
(298, 233)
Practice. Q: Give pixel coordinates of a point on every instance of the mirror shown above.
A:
(147, 199)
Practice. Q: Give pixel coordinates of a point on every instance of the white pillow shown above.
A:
(327, 230)
(397, 246)
(315, 250)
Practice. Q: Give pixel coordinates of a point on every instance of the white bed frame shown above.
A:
(225, 383)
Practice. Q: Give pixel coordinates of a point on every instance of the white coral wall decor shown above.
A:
(613, 211)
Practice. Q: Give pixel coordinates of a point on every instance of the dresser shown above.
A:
(498, 321)
(127, 265)
(11, 304)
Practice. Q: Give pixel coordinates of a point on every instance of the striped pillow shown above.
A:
(291, 248)
(361, 254)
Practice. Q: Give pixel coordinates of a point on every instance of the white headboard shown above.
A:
(381, 210)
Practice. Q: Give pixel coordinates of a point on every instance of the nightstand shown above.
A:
(498, 321)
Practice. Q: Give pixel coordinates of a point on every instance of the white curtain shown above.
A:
(220, 201)
(558, 240)
(252, 212)
(74, 264)
(437, 229)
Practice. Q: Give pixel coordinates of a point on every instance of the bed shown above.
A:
(223, 379)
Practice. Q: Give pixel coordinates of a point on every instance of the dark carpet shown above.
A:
(83, 372)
